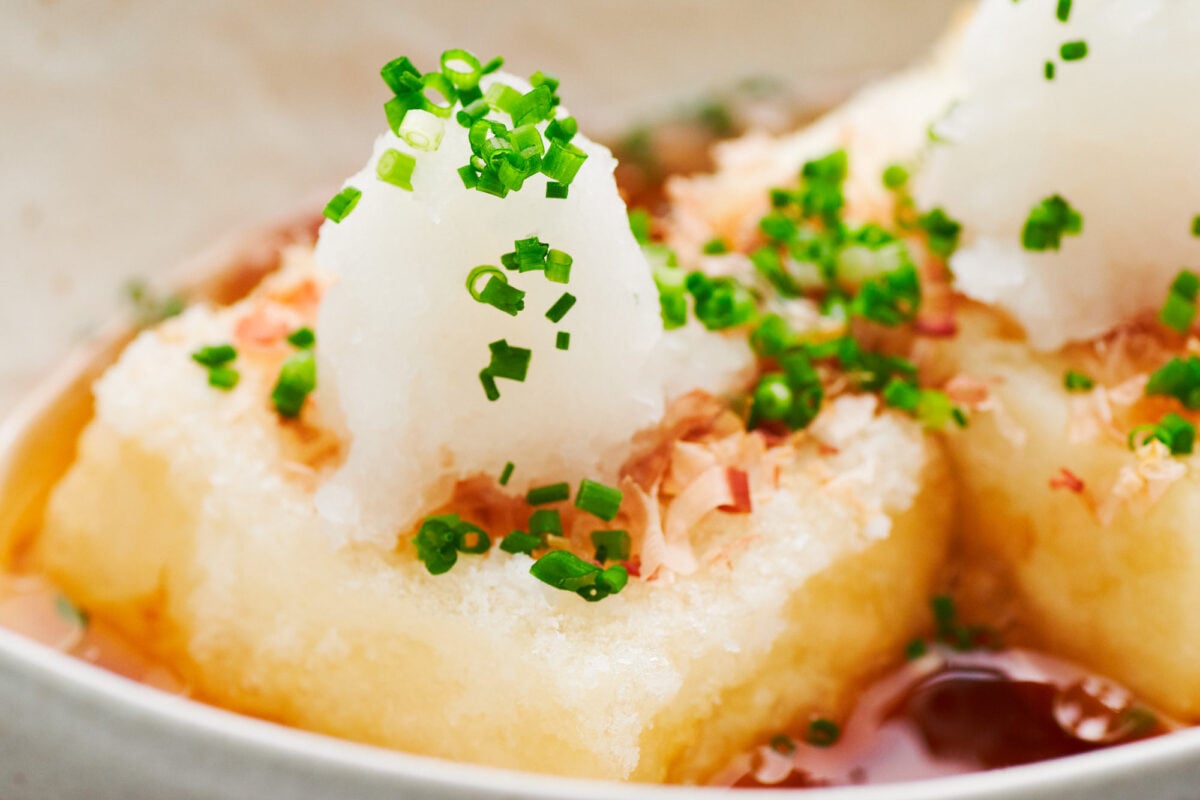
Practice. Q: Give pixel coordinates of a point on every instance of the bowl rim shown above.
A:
(206, 725)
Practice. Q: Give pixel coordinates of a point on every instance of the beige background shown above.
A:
(135, 132)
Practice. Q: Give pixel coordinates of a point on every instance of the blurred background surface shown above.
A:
(137, 132)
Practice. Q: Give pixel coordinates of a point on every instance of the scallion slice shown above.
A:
(297, 379)
(550, 493)
(611, 545)
(461, 68)
(561, 307)
(598, 500)
(342, 203)
(422, 130)
(396, 168)
(562, 341)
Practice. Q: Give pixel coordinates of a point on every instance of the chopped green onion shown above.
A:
(1064, 10)
(562, 340)
(598, 500)
(223, 378)
(915, 649)
(342, 203)
(611, 545)
(715, 247)
(501, 97)
(472, 539)
(557, 191)
(396, 168)
(70, 612)
(442, 103)
(772, 399)
(1075, 381)
(1174, 431)
(493, 65)
(500, 294)
(214, 355)
(560, 308)
(461, 68)
(1073, 51)
(398, 107)
(441, 538)
(564, 570)
(782, 744)
(525, 137)
(1196, 225)
(778, 226)
(506, 473)
(639, 223)
(1048, 222)
(532, 107)
(562, 130)
(473, 112)
(422, 130)
(895, 177)
(551, 493)
(558, 266)
(772, 336)
(721, 302)
(401, 76)
(546, 521)
(823, 733)
(943, 232)
(1179, 379)
(540, 78)
(469, 176)
(1048, 70)
(562, 161)
(473, 279)
(1179, 310)
(304, 338)
(297, 379)
(520, 542)
(508, 362)
(489, 385)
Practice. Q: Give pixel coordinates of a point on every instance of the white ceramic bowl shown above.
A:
(78, 205)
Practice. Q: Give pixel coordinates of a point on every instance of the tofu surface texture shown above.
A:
(188, 520)
(1105, 572)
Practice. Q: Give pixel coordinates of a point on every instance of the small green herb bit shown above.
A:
(1074, 51)
(508, 361)
(506, 473)
(396, 168)
(499, 294)
(567, 571)
(895, 177)
(558, 266)
(223, 378)
(1177, 378)
(557, 191)
(304, 338)
(639, 223)
(297, 379)
(611, 545)
(562, 340)
(598, 500)
(1063, 12)
(1075, 381)
(1048, 222)
(823, 733)
(782, 744)
(715, 247)
(943, 232)
(70, 612)
(1179, 310)
(550, 493)
(560, 308)
(1196, 226)
(520, 542)
(1048, 70)
(546, 521)
(217, 355)
(342, 203)
(1174, 431)
(441, 538)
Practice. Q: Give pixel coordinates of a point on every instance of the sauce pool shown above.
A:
(950, 713)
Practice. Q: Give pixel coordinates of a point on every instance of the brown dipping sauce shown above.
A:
(950, 713)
